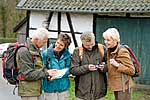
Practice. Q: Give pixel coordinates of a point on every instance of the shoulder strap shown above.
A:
(100, 47)
(81, 53)
(116, 54)
(16, 52)
(34, 57)
(133, 56)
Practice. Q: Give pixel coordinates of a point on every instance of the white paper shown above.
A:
(60, 73)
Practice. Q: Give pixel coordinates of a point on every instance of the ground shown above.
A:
(141, 94)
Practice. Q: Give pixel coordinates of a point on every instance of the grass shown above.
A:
(135, 94)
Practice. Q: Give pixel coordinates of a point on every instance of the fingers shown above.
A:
(92, 67)
(52, 72)
(114, 63)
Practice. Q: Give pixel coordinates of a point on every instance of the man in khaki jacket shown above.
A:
(31, 66)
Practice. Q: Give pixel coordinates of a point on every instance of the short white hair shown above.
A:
(40, 33)
(113, 33)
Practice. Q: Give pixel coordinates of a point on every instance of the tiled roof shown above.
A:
(89, 6)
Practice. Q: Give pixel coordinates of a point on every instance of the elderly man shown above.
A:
(31, 66)
(90, 80)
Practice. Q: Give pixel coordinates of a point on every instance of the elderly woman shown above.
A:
(120, 68)
(58, 58)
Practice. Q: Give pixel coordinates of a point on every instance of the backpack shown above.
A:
(136, 64)
(9, 64)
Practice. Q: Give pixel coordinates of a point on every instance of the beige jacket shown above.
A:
(120, 78)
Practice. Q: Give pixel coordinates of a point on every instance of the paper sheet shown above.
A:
(60, 73)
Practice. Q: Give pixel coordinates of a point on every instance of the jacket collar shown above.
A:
(34, 50)
(115, 51)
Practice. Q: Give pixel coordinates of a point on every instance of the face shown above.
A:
(88, 45)
(59, 45)
(110, 42)
(41, 43)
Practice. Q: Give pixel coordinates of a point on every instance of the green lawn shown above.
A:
(109, 96)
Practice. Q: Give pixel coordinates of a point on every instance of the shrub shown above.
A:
(7, 40)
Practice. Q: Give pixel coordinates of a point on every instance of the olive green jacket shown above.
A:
(32, 69)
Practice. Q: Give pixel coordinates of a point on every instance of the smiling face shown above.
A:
(59, 45)
(110, 42)
(111, 37)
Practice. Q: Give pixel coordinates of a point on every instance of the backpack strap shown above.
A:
(105, 54)
(101, 50)
(81, 53)
(133, 56)
(116, 54)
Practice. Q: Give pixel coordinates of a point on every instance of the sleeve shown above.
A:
(27, 66)
(67, 65)
(125, 62)
(76, 68)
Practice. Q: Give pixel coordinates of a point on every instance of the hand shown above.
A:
(101, 67)
(114, 63)
(52, 72)
(51, 78)
(92, 67)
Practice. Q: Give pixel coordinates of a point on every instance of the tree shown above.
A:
(3, 17)
(9, 17)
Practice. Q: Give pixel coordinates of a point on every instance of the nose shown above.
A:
(58, 45)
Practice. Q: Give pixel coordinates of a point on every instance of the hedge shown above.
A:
(8, 40)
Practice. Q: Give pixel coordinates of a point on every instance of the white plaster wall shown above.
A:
(81, 23)
(37, 19)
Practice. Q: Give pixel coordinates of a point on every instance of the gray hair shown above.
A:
(40, 33)
(113, 33)
(87, 36)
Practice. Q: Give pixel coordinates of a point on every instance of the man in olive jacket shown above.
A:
(31, 69)
(90, 78)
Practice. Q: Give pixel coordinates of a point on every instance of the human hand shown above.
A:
(51, 78)
(92, 67)
(52, 72)
(114, 63)
(100, 66)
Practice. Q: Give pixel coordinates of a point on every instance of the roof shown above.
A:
(88, 6)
